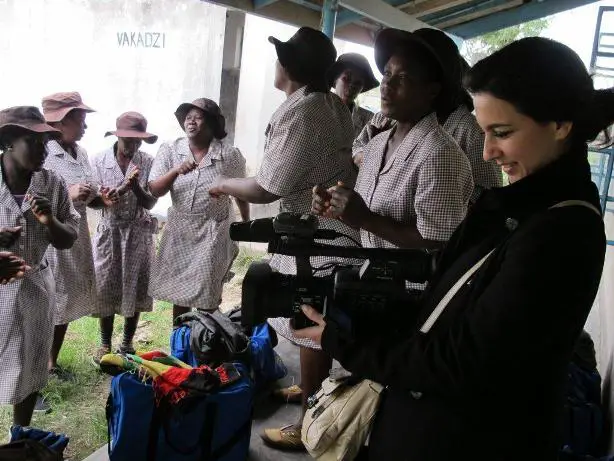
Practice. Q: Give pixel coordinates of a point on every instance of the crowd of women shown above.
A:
(422, 173)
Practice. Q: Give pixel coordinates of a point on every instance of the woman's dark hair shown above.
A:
(313, 79)
(547, 81)
(464, 97)
(10, 134)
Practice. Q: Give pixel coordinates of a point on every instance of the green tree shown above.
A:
(479, 47)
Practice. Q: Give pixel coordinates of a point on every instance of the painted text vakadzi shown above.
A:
(141, 39)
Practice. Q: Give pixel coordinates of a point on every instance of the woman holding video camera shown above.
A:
(481, 374)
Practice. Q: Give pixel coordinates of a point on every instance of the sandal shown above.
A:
(126, 350)
(102, 350)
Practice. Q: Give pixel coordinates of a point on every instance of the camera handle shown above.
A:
(416, 265)
(303, 267)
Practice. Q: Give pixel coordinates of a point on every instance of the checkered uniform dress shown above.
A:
(308, 142)
(123, 243)
(378, 123)
(195, 250)
(27, 306)
(464, 128)
(360, 117)
(73, 269)
(427, 181)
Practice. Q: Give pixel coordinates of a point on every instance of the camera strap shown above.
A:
(430, 321)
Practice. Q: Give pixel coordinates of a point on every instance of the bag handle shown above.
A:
(430, 321)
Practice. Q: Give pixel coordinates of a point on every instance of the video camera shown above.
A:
(355, 297)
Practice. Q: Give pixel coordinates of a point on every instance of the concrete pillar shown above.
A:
(231, 69)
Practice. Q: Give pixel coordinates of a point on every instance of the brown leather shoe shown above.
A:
(291, 394)
(285, 438)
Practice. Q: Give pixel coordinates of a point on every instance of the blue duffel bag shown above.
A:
(265, 364)
(216, 427)
(180, 345)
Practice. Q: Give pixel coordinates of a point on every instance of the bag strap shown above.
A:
(583, 203)
(107, 411)
(430, 321)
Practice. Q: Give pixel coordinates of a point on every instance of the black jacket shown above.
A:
(487, 382)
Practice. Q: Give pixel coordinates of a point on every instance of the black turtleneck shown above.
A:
(569, 177)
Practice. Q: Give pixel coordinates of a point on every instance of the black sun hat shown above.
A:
(435, 42)
(307, 54)
(353, 61)
(209, 108)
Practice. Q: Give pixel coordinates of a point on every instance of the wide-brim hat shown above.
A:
(210, 108)
(56, 106)
(436, 43)
(132, 125)
(353, 61)
(309, 53)
(28, 118)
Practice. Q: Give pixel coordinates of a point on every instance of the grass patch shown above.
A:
(245, 257)
(79, 405)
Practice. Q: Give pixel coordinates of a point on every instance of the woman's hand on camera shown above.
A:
(347, 205)
(313, 333)
(320, 201)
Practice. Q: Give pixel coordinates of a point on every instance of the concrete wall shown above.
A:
(144, 55)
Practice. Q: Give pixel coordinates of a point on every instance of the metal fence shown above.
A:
(602, 161)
